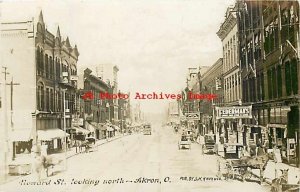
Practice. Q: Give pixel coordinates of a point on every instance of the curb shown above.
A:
(98, 145)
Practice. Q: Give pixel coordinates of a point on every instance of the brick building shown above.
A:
(269, 56)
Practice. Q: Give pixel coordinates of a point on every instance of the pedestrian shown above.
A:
(260, 150)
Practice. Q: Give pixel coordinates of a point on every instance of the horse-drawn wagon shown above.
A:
(239, 165)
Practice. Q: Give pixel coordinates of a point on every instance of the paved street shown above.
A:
(154, 157)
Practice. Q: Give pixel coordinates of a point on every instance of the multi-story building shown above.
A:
(109, 73)
(42, 70)
(231, 72)
(211, 83)
(123, 115)
(228, 34)
(269, 56)
(56, 81)
(95, 110)
(173, 112)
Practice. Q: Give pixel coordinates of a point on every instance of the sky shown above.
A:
(153, 42)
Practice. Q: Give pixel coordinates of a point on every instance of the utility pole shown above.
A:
(11, 84)
(6, 147)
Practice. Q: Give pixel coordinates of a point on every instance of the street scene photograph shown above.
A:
(149, 95)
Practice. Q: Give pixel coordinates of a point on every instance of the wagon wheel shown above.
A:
(230, 171)
(245, 173)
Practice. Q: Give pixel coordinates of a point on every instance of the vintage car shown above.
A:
(184, 143)
(209, 145)
(147, 129)
(90, 144)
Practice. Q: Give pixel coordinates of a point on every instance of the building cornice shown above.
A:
(227, 26)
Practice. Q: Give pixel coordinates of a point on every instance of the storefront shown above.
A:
(110, 131)
(20, 163)
(52, 140)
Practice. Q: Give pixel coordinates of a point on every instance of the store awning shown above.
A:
(102, 127)
(256, 126)
(80, 130)
(91, 127)
(50, 134)
(277, 126)
(21, 135)
(109, 128)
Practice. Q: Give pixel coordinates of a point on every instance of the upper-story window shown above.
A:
(51, 68)
(46, 66)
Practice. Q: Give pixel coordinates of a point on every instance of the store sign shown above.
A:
(234, 112)
(192, 116)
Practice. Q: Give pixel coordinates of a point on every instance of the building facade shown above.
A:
(109, 73)
(269, 57)
(56, 80)
(95, 110)
(43, 82)
(228, 34)
(211, 83)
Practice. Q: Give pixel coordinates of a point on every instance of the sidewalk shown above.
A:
(70, 153)
(270, 171)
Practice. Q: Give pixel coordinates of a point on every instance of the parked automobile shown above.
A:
(147, 129)
(90, 144)
(184, 143)
(209, 145)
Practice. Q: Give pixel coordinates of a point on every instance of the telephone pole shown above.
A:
(6, 147)
(12, 84)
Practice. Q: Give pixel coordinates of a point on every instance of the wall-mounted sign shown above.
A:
(234, 112)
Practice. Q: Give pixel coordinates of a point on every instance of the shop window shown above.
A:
(23, 147)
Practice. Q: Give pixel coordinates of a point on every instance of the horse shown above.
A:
(277, 182)
(257, 162)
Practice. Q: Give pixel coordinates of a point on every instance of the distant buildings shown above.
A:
(211, 83)
(173, 113)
